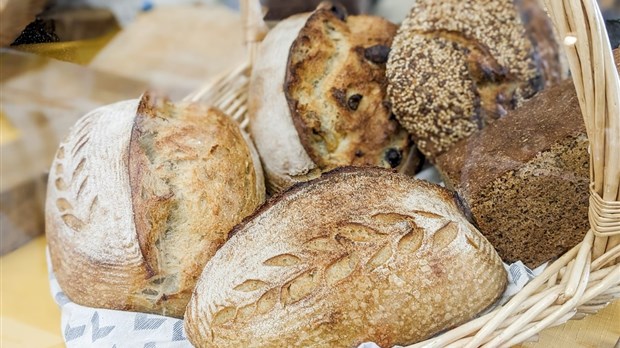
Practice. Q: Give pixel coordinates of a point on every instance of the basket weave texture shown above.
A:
(587, 277)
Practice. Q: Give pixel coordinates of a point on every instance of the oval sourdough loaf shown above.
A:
(360, 254)
(141, 194)
(318, 98)
(458, 65)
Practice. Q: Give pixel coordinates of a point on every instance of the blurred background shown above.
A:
(60, 59)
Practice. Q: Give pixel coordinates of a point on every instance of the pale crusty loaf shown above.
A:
(360, 254)
(457, 65)
(318, 98)
(140, 196)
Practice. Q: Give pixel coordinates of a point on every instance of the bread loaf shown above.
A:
(141, 194)
(317, 98)
(524, 179)
(457, 66)
(360, 254)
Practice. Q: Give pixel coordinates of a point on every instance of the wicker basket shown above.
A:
(586, 278)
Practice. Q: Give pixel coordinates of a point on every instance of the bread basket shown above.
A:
(587, 277)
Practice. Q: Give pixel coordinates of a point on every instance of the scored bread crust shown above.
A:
(140, 196)
(360, 254)
(92, 241)
(336, 89)
(459, 65)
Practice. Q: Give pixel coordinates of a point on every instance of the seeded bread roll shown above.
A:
(525, 178)
(358, 255)
(457, 66)
(318, 100)
(141, 194)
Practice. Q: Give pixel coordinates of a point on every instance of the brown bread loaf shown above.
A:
(318, 100)
(140, 196)
(360, 254)
(457, 66)
(525, 178)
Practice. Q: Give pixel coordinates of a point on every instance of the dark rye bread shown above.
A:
(524, 179)
(336, 89)
(457, 66)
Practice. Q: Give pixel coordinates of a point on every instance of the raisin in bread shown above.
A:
(318, 99)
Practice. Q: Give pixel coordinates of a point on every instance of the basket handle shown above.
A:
(254, 26)
(596, 80)
(219, 91)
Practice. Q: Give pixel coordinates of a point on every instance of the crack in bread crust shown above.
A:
(192, 178)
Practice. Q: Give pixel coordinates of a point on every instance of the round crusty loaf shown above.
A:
(141, 194)
(457, 65)
(318, 98)
(360, 254)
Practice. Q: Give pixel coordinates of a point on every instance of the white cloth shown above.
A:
(93, 327)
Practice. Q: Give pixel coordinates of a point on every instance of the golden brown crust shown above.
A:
(370, 137)
(189, 158)
(186, 176)
(457, 66)
(335, 86)
(359, 254)
(150, 213)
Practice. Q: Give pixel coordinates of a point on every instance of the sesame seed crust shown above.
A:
(429, 112)
(456, 66)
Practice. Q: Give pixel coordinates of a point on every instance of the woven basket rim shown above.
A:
(587, 277)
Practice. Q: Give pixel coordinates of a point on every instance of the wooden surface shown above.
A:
(176, 49)
(29, 316)
(41, 98)
(78, 52)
